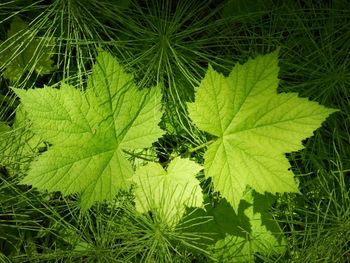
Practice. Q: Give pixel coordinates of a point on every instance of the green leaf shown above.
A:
(254, 128)
(18, 144)
(216, 221)
(166, 193)
(264, 236)
(22, 51)
(236, 236)
(89, 131)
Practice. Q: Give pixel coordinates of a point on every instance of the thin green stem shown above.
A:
(192, 150)
(138, 156)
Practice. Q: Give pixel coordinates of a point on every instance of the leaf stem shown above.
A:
(138, 156)
(191, 150)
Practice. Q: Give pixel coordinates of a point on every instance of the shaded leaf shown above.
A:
(264, 237)
(18, 144)
(23, 51)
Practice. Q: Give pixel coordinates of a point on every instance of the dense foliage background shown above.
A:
(171, 43)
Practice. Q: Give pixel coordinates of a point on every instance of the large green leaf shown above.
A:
(89, 131)
(22, 51)
(166, 193)
(254, 128)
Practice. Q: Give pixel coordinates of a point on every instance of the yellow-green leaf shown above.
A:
(168, 192)
(89, 131)
(253, 128)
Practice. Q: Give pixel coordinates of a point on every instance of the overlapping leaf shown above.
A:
(168, 192)
(89, 131)
(236, 236)
(264, 235)
(254, 128)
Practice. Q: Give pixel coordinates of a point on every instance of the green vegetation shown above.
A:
(174, 131)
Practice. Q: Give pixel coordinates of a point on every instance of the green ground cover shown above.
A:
(174, 131)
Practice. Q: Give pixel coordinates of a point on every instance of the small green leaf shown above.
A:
(89, 131)
(168, 192)
(18, 144)
(254, 128)
(22, 52)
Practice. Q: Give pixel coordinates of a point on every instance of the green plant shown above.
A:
(90, 132)
(172, 210)
(21, 52)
